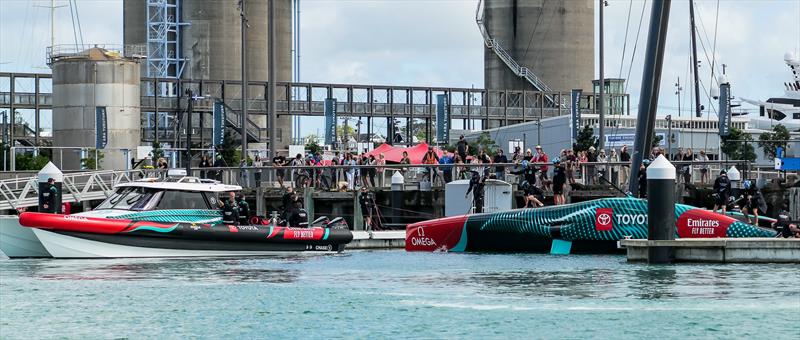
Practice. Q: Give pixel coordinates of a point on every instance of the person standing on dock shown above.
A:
(500, 171)
(431, 159)
(49, 195)
(367, 202)
(278, 162)
(559, 179)
(754, 202)
(625, 169)
(462, 148)
(446, 165)
(476, 186)
(703, 167)
(722, 190)
(541, 157)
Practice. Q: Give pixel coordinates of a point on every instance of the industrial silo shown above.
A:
(210, 41)
(554, 39)
(83, 83)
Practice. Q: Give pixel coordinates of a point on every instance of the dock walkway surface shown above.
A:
(378, 239)
(725, 250)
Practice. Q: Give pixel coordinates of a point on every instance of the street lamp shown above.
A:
(678, 90)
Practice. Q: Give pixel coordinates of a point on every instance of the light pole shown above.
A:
(669, 136)
(678, 90)
(5, 141)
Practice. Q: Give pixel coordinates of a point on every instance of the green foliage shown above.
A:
(90, 162)
(586, 139)
(738, 150)
(345, 132)
(485, 143)
(312, 146)
(656, 141)
(229, 150)
(157, 151)
(780, 132)
(27, 161)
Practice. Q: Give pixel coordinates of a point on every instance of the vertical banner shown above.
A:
(575, 102)
(330, 121)
(100, 127)
(442, 119)
(724, 109)
(218, 128)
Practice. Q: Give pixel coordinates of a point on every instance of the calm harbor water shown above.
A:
(393, 294)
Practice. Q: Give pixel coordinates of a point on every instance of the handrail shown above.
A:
(504, 56)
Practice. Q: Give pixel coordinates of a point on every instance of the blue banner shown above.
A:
(442, 119)
(330, 121)
(724, 109)
(575, 102)
(100, 127)
(218, 128)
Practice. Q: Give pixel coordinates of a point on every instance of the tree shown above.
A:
(27, 161)
(228, 150)
(157, 151)
(344, 133)
(656, 141)
(735, 149)
(585, 139)
(312, 146)
(485, 143)
(92, 160)
(766, 140)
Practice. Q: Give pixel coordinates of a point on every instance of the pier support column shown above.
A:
(308, 199)
(358, 216)
(660, 208)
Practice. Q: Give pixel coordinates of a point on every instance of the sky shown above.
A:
(437, 43)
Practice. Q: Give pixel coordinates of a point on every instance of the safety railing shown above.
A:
(76, 187)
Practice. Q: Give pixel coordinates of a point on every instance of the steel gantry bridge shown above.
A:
(381, 106)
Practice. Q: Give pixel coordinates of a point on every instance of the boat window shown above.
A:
(128, 198)
(182, 200)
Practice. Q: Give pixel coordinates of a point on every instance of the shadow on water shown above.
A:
(214, 270)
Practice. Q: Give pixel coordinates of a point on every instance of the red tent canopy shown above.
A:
(415, 153)
(383, 148)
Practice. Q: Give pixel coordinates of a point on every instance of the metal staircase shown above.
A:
(501, 53)
(255, 134)
(18, 193)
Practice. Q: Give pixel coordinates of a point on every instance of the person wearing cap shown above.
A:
(431, 159)
(722, 190)
(591, 157)
(541, 157)
(49, 196)
(559, 179)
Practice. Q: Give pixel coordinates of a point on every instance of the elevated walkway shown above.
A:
(77, 187)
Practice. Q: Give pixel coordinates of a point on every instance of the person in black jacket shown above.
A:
(49, 196)
(500, 171)
(643, 178)
(476, 185)
(559, 179)
(755, 202)
(528, 171)
(367, 202)
(243, 210)
(229, 209)
(533, 195)
(722, 190)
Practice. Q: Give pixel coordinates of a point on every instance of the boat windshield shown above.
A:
(130, 198)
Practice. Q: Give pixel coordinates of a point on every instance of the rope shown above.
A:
(625, 44)
(636, 44)
(533, 32)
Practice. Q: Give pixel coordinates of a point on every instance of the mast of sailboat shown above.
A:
(698, 110)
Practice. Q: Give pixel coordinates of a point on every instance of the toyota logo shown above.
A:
(604, 219)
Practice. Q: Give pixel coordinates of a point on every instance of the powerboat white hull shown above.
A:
(65, 246)
(17, 241)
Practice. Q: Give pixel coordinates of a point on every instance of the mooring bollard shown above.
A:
(398, 184)
(50, 191)
(660, 208)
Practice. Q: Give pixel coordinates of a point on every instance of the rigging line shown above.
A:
(72, 18)
(538, 53)
(530, 40)
(625, 44)
(78, 18)
(714, 47)
(633, 55)
(24, 26)
(705, 33)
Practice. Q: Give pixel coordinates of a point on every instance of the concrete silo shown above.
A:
(554, 39)
(211, 43)
(83, 81)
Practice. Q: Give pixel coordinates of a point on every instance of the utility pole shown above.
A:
(698, 112)
(52, 8)
(243, 118)
(601, 105)
(678, 90)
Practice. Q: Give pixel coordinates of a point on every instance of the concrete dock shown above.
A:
(720, 250)
(393, 239)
